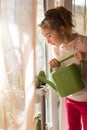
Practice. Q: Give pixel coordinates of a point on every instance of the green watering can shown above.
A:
(66, 80)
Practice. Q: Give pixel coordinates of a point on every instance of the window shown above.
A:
(79, 10)
(40, 46)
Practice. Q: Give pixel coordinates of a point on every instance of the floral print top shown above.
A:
(79, 43)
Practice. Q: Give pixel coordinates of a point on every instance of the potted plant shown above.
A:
(37, 120)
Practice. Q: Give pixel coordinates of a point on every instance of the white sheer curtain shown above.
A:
(17, 64)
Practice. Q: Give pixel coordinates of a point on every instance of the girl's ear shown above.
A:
(62, 30)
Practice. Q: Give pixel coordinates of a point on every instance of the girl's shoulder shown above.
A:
(81, 37)
(81, 42)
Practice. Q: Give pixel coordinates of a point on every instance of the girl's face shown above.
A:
(52, 36)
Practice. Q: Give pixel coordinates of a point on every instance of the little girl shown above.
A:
(57, 28)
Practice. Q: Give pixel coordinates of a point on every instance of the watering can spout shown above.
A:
(43, 79)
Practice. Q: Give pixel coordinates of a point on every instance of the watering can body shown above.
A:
(68, 80)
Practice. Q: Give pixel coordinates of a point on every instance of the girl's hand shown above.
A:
(54, 63)
(80, 56)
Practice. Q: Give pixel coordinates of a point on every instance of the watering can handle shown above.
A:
(71, 56)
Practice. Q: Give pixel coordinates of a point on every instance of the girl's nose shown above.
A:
(48, 41)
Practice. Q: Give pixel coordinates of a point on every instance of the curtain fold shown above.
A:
(17, 64)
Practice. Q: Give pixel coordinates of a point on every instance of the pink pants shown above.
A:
(76, 114)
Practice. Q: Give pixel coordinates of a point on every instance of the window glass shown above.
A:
(57, 3)
(79, 10)
(40, 46)
(40, 51)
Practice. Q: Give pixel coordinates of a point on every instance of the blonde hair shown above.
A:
(57, 17)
